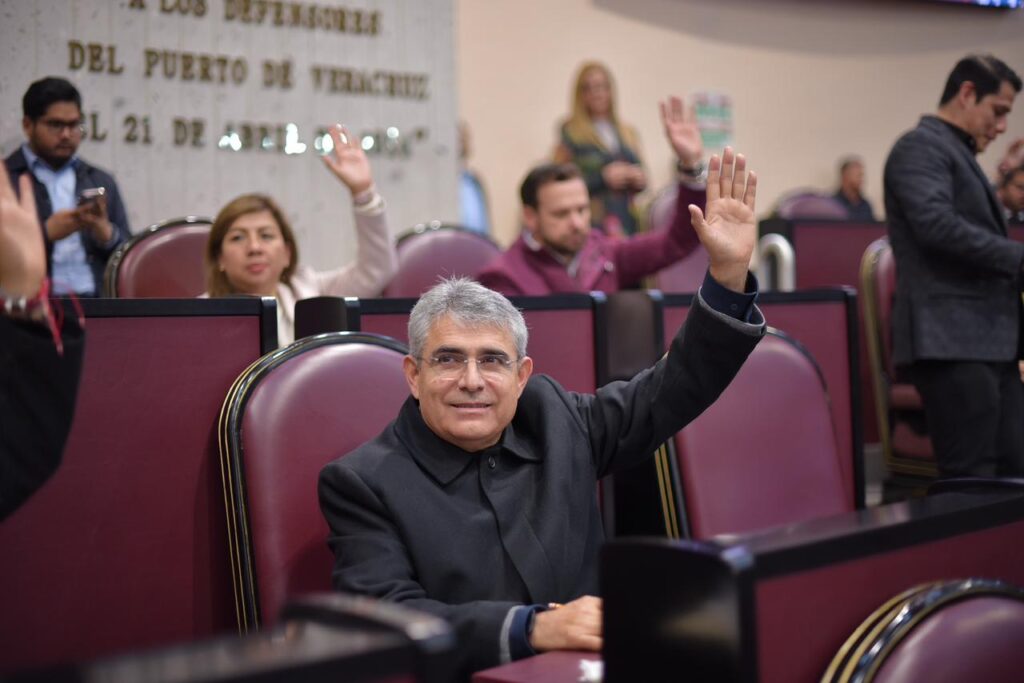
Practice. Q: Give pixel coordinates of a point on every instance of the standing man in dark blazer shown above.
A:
(80, 235)
(479, 502)
(957, 316)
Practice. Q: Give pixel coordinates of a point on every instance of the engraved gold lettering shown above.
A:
(95, 57)
(296, 14)
(183, 7)
(187, 74)
(380, 83)
(277, 74)
(189, 131)
(76, 55)
(137, 130)
(204, 69)
(95, 131)
(193, 66)
(152, 58)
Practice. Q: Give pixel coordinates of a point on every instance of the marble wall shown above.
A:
(192, 102)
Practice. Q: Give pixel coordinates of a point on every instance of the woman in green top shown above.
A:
(605, 149)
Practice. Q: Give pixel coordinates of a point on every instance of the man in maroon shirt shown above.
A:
(560, 252)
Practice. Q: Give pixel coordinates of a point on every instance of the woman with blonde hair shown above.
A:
(605, 149)
(252, 248)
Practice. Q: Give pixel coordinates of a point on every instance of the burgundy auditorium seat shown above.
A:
(898, 406)
(163, 261)
(811, 205)
(286, 417)
(427, 253)
(126, 546)
(946, 632)
(764, 454)
(687, 274)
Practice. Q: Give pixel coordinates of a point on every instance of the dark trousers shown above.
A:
(975, 414)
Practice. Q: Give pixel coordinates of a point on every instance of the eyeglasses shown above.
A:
(57, 127)
(451, 365)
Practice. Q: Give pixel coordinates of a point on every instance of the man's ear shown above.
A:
(26, 125)
(525, 370)
(530, 219)
(968, 93)
(411, 368)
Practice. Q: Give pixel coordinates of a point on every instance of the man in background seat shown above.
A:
(851, 190)
(1011, 194)
(560, 251)
(80, 235)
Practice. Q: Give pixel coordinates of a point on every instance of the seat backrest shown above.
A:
(884, 295)
(126, 544)
(427, 253)
(686, 274)
(286, 417)
(163, 261)
(811, 205)
(565, 330)
(877, 287)
(764, 453)
(952, 631)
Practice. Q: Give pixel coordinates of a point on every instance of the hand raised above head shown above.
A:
(682, 131)
(347, 160)
(22, 254)
(726, 227)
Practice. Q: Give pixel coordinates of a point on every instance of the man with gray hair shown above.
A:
(479, 502)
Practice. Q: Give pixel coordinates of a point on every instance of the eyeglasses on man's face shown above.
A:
(57, 126)
(451, 364)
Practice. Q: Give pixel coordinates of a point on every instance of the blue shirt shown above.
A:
(71, 272)
(473, 204)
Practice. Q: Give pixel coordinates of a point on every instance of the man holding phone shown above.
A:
(79, 205)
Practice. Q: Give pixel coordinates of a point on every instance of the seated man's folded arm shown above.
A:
(370, 558)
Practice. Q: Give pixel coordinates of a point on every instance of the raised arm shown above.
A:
(22, 255)
(376, 261)
(648, 253)
(682, 131)
(38, 384)
(627, 420)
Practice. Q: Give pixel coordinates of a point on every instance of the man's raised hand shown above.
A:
(22, 254)
(726, 227)
(682, 131)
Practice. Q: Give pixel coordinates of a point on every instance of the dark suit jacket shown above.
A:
(37, 401)
(468, 536)
(86, 176)
(958, 274)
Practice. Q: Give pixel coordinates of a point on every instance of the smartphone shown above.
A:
(90, 194)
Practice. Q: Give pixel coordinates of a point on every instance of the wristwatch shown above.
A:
(20, 307)
(698, 171)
